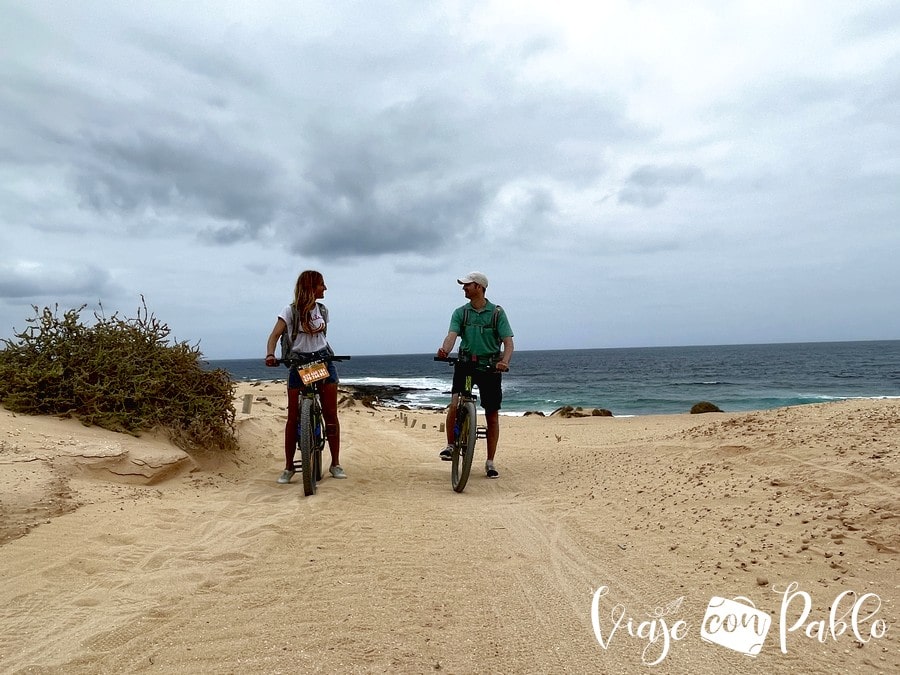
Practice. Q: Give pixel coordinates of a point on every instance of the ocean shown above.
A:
(640, 381)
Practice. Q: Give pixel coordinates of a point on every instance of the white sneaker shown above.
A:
(286, 476)
(447, 453)
(337, 472)
(490, 471)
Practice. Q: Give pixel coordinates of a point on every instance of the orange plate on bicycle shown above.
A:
(313, 373)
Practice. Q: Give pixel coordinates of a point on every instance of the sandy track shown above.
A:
(221, 570)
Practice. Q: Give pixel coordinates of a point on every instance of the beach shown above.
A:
(655, 543)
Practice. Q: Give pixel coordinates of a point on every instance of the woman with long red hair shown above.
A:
(303, 324)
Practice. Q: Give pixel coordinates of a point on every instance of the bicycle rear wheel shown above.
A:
(317, 464)
(306, 441)
(463, 446)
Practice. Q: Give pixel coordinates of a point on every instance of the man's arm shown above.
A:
(506, 354)
(447, 346)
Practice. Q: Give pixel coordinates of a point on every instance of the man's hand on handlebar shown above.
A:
(271, 361)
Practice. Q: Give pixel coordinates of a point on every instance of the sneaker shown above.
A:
(337, 472)
(286, 476)
(490, 471)
(447, 453)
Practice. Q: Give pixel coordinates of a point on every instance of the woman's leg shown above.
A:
(328, 393)
(290, 428)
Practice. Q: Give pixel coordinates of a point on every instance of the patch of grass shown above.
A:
(118, 373)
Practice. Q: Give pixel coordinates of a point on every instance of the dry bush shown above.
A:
(120, 374)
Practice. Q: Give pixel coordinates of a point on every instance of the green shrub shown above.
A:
(119, 374)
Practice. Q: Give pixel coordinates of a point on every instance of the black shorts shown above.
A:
(294, 377)
(294, 381)
(489, 391)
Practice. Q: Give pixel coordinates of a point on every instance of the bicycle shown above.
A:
(310, 424)
(465, 429)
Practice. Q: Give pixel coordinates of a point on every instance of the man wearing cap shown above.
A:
(483, 334)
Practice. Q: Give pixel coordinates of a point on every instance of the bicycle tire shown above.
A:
(464, 446)
(306, 442)
(319, 441)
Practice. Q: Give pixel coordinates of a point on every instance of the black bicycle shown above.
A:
(310, 423)
(465, 429)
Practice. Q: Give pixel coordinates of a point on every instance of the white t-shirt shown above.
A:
(306, 342)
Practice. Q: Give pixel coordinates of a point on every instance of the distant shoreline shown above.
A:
(392, 396)
(376, 393)
(797, 343)
(636, 382)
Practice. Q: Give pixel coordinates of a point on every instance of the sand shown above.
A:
(125, 555)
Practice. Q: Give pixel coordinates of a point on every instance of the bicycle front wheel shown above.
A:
(318, 442)
(464, 446)
(306, 441)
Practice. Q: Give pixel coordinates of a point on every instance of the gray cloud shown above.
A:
(197, 172)
(217, 63)
(880, 19)
(425, 173)
(218, 148)
(56, 283)
(649, 185)
(337, 178)
(374, 219)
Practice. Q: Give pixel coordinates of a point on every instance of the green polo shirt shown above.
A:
(477, 337)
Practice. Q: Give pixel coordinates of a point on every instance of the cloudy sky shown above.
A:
(626, 172)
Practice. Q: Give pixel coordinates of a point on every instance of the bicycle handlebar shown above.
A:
(316, 359)
(454, 360)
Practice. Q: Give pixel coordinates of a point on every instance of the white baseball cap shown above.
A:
(474, 277)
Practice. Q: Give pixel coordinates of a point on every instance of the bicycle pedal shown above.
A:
(481, 432)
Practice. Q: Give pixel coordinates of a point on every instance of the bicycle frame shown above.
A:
(310, 424)
(465, 426)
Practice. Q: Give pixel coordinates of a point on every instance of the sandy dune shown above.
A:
(125, 555)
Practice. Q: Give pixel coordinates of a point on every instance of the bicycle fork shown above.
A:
(480, 430)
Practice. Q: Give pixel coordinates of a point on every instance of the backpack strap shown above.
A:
(287, 340)
(495, 320)
(323, 310)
